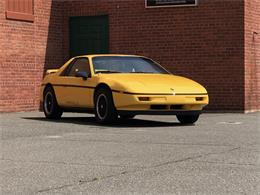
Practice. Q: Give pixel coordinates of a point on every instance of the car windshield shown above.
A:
(126, 64)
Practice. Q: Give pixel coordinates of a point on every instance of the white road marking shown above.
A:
(230, 123)
(54, 136)
(140, 130)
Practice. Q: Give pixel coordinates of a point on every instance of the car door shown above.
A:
(75, 91)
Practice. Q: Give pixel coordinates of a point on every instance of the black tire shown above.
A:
(188, 119)
(105, 111)
(50, 106)
(127, 116)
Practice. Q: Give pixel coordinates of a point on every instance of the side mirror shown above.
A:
(83, 75)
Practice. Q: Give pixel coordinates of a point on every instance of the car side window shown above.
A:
(80, 64)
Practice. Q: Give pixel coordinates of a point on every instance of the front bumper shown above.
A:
(164, 103)
(159, 112)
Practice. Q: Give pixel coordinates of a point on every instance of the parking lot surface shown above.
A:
(146, 155)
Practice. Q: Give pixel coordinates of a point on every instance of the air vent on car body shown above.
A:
(158, 107)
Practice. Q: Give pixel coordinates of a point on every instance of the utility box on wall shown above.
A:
(169, 3)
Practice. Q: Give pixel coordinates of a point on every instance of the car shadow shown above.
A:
(120, 123)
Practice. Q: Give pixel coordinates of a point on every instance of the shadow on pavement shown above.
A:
(120, 123)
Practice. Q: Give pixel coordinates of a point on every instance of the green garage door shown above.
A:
(89, 35)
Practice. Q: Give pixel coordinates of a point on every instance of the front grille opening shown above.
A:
(199, 98)
(176, 107)
(143, 99)
(158, 107)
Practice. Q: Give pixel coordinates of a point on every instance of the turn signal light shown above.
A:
(199, 98)
(144, 98)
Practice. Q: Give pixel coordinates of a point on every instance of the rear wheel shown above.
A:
(105, 110)
(188, 119)
(50, 106)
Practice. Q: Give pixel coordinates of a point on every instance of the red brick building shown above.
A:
(216, 43)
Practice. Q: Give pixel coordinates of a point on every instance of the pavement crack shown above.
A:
(229, 163)
(194, 157)
(80, 182)
(63, 163)
(55, 188)
(138, 142)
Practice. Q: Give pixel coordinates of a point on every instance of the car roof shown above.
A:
(100, 55)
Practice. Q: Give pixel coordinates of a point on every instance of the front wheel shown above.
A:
(188, 119)
(105, 110)
(50, 106)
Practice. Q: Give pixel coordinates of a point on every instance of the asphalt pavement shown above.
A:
(146, 155)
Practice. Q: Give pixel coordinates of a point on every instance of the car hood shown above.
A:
(153, 83)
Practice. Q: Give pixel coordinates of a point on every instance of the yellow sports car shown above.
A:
(120, 85)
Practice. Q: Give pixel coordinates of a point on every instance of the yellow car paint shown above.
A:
(127, 88)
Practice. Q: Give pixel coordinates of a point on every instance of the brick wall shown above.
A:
(26, 48)
(210, 43)
(252, 55)
(205, 43)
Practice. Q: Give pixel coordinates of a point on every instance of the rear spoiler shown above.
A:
(50, 71)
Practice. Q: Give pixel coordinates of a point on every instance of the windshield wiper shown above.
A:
(107, 71)
(143, 72)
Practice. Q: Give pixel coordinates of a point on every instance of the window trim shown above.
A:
(22, 16)
(67, 69)
(64, 73)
